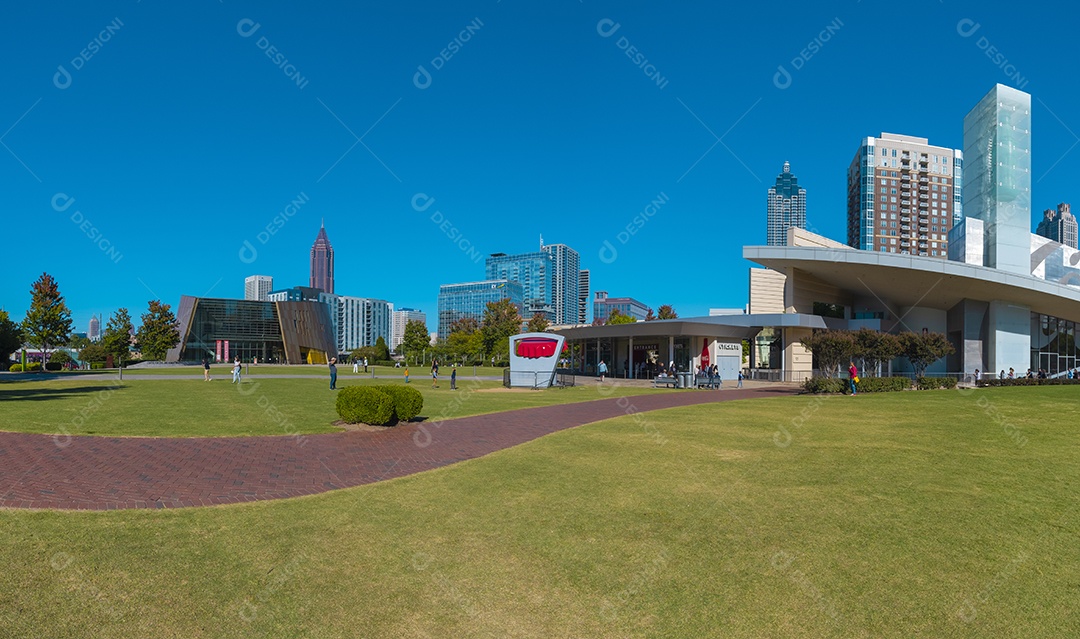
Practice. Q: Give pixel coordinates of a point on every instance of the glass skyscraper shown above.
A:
(550, 279)
(787, 207)
(470, 299)
(1058, 225)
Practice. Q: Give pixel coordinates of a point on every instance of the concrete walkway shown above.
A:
(106, 473)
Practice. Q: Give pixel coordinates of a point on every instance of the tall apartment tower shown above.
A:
(583, 297)
(1058, 225)
(904, 195)
(787, 206)
(257, 287)
(398, 319)
(322, 263)
(565, 282)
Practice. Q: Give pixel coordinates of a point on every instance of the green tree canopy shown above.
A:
(537, 323)
(923, 349)
(48, 321)
(875, 347)
(159, 331)
(93, 353)
(10, 336)
(78, 342)
(501, 320)
(382, 351)
(415, 339)
(618, 317)
(666, 311)
(465, 341)
(650, 316)
(116, 339)
(61, 357)
(831, 349)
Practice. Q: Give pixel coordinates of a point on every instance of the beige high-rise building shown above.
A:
(904, 195)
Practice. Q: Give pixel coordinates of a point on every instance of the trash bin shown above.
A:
(684, 380)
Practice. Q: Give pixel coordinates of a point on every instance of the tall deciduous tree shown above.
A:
(415, 338)
(666, 312)
(501, 320)
(875, 347)
(650, 316)
(10, 336)
(382, 351)
(159, 331)
(537, 323)
(830, 349)
(116, 339)
(48, 321)
(923, 349)
(465, 339)
(93, 353)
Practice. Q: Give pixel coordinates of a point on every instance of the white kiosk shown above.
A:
(533, 358)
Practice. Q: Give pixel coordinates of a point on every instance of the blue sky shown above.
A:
(175, 132)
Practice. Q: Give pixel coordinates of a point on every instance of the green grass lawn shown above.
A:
(934, 514)
(225, 370)
(194, 408)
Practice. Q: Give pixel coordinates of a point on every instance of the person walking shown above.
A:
(602, 369)
(719, 380)
(406, 373)
(740, 379)
(453, 378)
(206, 369)
(236, 371)
(434, 373)
(977, 376)
(333, 373)
(365, 364)
(853, 377)
(356, 366)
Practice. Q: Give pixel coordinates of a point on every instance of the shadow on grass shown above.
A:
(15, 378)
(43, 394)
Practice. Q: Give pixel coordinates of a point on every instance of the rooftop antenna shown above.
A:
(541, 241)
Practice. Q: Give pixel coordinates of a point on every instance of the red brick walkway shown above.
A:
(105, 473)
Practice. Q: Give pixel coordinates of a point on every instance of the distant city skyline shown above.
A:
(786, 207)
(228, 164)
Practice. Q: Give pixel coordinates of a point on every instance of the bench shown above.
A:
(666, 380)
(702, 381)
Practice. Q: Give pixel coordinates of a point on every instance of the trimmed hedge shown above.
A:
(1035, 381)
(33, 366)
(934, 383)
(366, 404)
(408, 402)
(15, 368)
(96, 366)
(865, 385)
(54, 366)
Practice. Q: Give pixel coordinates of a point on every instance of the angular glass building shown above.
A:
(274, 332)
(535, 272)
(470, 299)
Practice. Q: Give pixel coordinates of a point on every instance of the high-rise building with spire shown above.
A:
(786, 207)
(322, 262)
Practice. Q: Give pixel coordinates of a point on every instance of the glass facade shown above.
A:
(470, 299)
(1053, 344)
(273, 332)
(535, 272)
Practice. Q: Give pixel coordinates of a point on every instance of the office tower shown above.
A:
(470, 299)
(786, 207)
(604, 305)
(93, 333)
(257, 287)
(399, 319)
(322, 263)
(583, 297)
(904, 195)
(997, 146)
(550, 278)
(1058, 225)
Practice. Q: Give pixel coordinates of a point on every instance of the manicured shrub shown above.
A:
(408, 402)
(96, 366)
(883, 384)
(365, 404)
(53, 366)
(1035, 381)
(824, 385)
(33, 366)
(934, 383)
(16, 368)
